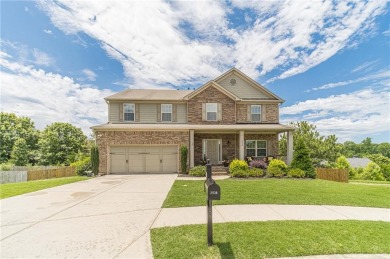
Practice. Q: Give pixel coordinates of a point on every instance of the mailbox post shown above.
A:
(213, 192)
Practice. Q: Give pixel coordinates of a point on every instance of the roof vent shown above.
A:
(233, 81)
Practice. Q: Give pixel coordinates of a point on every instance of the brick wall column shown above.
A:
(241, 145)
(192, 148)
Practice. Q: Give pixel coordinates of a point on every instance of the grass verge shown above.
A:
(272, 239)
(280, 191)
(13, 189)
(368, 181)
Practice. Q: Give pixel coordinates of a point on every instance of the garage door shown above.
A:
(144, 159)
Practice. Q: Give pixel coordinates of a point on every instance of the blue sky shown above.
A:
(330, 60)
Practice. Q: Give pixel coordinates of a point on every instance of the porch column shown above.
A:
(290, 141)
(191, 148)
(241, 146)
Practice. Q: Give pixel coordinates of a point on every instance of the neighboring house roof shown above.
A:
(207, 85)
(180, 127)
(149, 94)
(358, 162)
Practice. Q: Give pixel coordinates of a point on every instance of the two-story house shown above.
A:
(231, 116)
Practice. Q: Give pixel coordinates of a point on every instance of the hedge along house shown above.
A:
(230, 117)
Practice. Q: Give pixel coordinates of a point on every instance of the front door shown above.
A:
(213, 150)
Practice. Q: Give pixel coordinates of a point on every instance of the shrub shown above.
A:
(240, 173)
(277, 168)
(301, 159)
(258, 164)
(183, 158)
(296, 173)
(355, 173)
(20, 152)
(199, 170)
(372, 172)
(238, 165)
(255, 172)
(6, 167)
(82, 166)
(383, 162)
(95, 160)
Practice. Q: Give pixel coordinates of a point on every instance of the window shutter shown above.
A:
(137, 118)
(219, 111)
(203, 111)
(248, 113)
(263, 113)
(158, 112)
(174, 112)
(121, 112)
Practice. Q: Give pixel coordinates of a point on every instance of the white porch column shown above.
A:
(241, 146)
(290, 146)
(192, 155)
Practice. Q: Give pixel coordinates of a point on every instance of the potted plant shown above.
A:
(226, 161)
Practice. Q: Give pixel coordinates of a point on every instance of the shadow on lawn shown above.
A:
(225, 250)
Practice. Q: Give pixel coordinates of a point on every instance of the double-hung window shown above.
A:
(166, 112)
(256, 148)
(128, 112)
(211, 111)
(256, 113)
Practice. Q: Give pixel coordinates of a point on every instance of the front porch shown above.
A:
(228, 145)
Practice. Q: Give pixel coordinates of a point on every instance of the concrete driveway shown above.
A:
(104, 217)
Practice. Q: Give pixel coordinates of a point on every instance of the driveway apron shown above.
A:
(104, 217)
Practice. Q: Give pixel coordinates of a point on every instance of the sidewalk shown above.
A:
(242, 213)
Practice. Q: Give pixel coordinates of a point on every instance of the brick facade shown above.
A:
(211, 95)
(272, 142)
(271, 113)
(104, 139)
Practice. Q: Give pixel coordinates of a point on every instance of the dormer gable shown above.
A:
(211, 84)
(245, 88)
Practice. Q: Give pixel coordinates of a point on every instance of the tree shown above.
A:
(20, 152)
(372, 172)
(301, 159)
(95, 159)
(183, 158)
(60, 143)
(342, 163)
(13, 128)
(383, 162)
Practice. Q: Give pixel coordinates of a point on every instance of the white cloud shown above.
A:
(346, 115)
(42, 58)
(367, 66)
(177, 43)
(48, 32)
(91, 76)
(48, 97)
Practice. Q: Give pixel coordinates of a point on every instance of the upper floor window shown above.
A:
(256, 148)
(128, 112)
(256, 113)
(166, 112)
(211, 111)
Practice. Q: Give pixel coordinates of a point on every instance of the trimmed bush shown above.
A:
(296, 173)
(256, 172)
(239, 173)
(237, 165)
(183, 159)
(199, 170)
(82, 166)
(258, 164)
(277, 168)
(95, 160)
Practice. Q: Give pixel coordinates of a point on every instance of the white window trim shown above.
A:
(166, 112)
(124, 111)
(255, 148)
(216, 111)
(256, 113)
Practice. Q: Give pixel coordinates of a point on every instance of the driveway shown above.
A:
(104, 217)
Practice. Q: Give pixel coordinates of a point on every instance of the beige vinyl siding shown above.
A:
(242, 89)
(181, 113)
(114, 112)
(148, 112)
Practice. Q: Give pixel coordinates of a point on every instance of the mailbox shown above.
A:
(213, 190)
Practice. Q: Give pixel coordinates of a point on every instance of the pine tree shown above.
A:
(95, 160)
(301, 159)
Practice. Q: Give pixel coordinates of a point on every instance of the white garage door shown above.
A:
(144, 159)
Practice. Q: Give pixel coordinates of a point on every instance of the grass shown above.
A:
(13, 189)
(272, 239)
(368, 181)
(280, 191)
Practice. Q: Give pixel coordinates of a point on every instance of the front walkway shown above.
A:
(239, 213)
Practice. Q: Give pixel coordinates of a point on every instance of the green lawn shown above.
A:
(368, 181)
(280, 191)
(13, 189)
(272, 239)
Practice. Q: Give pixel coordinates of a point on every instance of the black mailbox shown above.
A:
(213, 190)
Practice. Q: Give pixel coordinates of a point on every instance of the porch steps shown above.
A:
(220, 170)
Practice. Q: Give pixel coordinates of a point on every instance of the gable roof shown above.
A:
(207, 85)
(149, 94)
(358, 162)
(249, 80)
